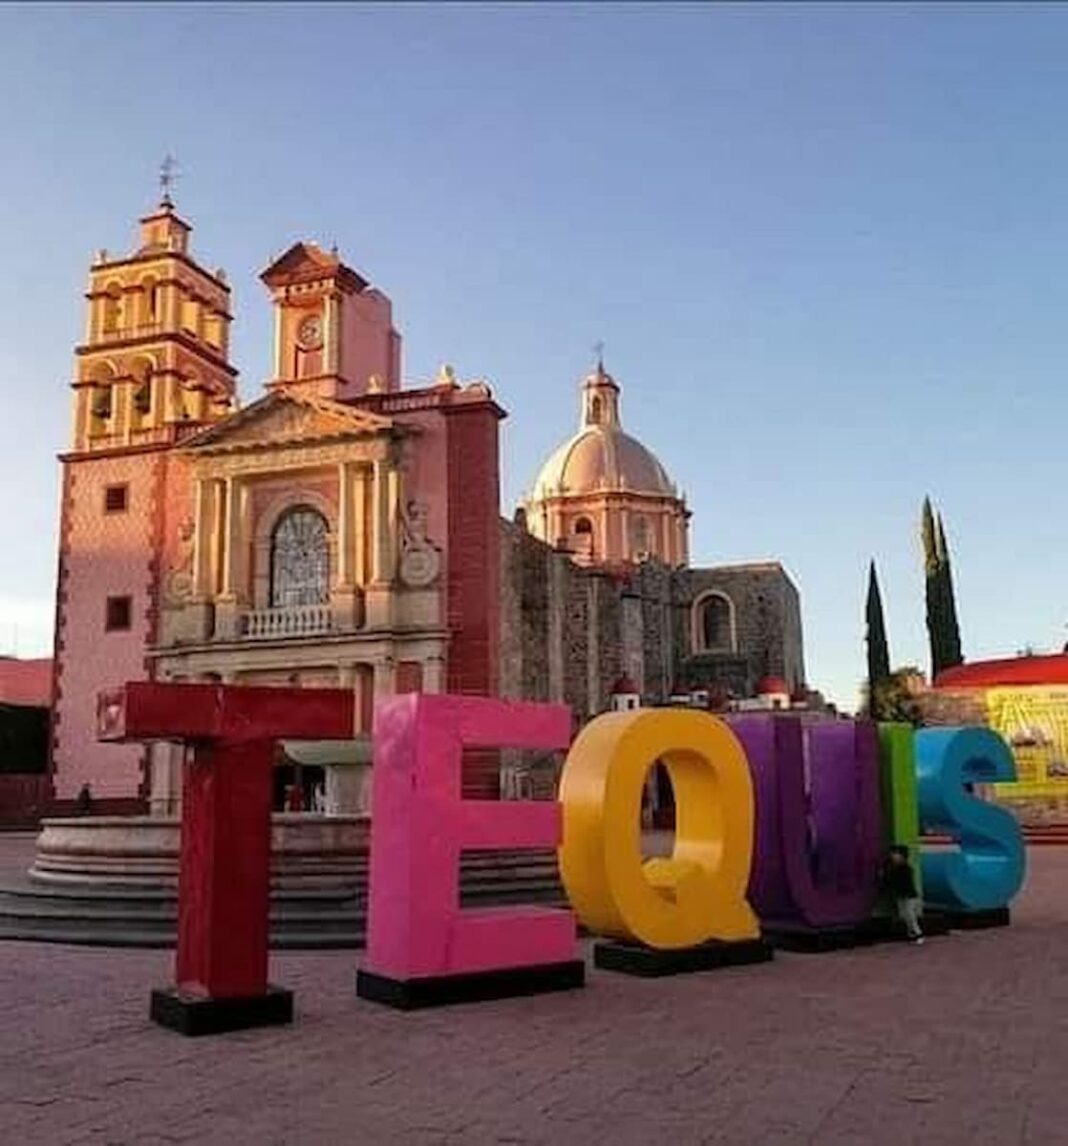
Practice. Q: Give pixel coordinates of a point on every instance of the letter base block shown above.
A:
(653, 963)
(201, 1015)
(472, 987)
(973, 920)
(878, 929)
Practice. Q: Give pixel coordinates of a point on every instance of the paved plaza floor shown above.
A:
(964, 1040)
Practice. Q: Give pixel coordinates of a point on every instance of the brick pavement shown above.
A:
(964, 1040)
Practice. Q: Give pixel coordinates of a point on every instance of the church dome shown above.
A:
(602, 496)
(601, 456)
(598, 458)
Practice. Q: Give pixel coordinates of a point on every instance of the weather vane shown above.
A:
(168, 176)
(598, 349)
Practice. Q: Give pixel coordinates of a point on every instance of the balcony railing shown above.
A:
(298, 621)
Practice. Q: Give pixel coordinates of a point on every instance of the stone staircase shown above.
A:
(113, 915)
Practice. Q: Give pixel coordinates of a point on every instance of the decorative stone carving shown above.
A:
(446, 379)
(179, 586)
(420, 562)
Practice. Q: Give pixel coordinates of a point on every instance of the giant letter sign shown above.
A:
(817, 857)
(901, 817)
(698, 893)
(988, 870)
(421, 948)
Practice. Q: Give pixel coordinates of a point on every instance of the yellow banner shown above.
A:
(1034, 723)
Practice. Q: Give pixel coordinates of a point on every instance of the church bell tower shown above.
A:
(155, 356)
(153, 368)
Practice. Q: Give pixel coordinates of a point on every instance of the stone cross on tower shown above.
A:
(168, 176)
(598, 349)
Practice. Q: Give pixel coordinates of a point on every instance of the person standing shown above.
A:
(899, 880)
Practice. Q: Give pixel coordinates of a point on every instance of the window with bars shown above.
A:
(300, 559)
(116, 498)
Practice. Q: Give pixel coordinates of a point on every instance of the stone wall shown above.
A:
(569, 633)
(767, 612)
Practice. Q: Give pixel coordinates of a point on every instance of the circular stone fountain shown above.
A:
(325, 853)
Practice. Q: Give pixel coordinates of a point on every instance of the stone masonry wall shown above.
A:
(568, 633)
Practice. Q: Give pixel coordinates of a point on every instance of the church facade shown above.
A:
(345, 531)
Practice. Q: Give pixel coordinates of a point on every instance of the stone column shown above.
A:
(165, 778)
(383, 509)
(227, 617)
(434, 673)
(344, 595)
(201, 519)
(344, 525)
(172, 306)
(231, 539)
(379, 598)
(385, 676)
(330, 335)
(122, 408)
(278, 372)
(83, 413)
(360, 570)
(208, 496)
(666, 540)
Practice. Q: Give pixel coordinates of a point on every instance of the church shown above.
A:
(344, 530)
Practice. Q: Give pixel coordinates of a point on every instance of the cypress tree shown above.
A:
(943, 629)
(933, 588)
(951, 627)
(878, 651)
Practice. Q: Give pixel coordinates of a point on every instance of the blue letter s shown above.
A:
(988, 870)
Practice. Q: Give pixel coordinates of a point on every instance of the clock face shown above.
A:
(310, 332)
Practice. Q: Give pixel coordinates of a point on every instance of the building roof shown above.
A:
(26, 682)
(602, 458)
(1009, 671)
(306, 262)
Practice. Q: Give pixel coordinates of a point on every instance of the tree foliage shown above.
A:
(878, 649)
(943, 629)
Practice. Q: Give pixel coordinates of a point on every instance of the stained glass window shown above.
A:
(300, 559)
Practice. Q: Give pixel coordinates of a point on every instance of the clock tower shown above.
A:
(333, 332)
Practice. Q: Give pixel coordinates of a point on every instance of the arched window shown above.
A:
(112, 308)
(151, 299)
(102, 402)
(300, 559)
(714, 623)
(584, 525)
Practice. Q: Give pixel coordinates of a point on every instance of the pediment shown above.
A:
(284, 419)
(305, 262)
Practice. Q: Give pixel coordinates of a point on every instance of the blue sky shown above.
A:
(824, 245)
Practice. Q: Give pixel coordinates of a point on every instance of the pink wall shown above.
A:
(102, 555)
(369, 344)
(26, 682)
(427, 470)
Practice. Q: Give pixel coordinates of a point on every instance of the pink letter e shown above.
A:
(420, 824)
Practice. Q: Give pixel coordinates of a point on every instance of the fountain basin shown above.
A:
(308, 852)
